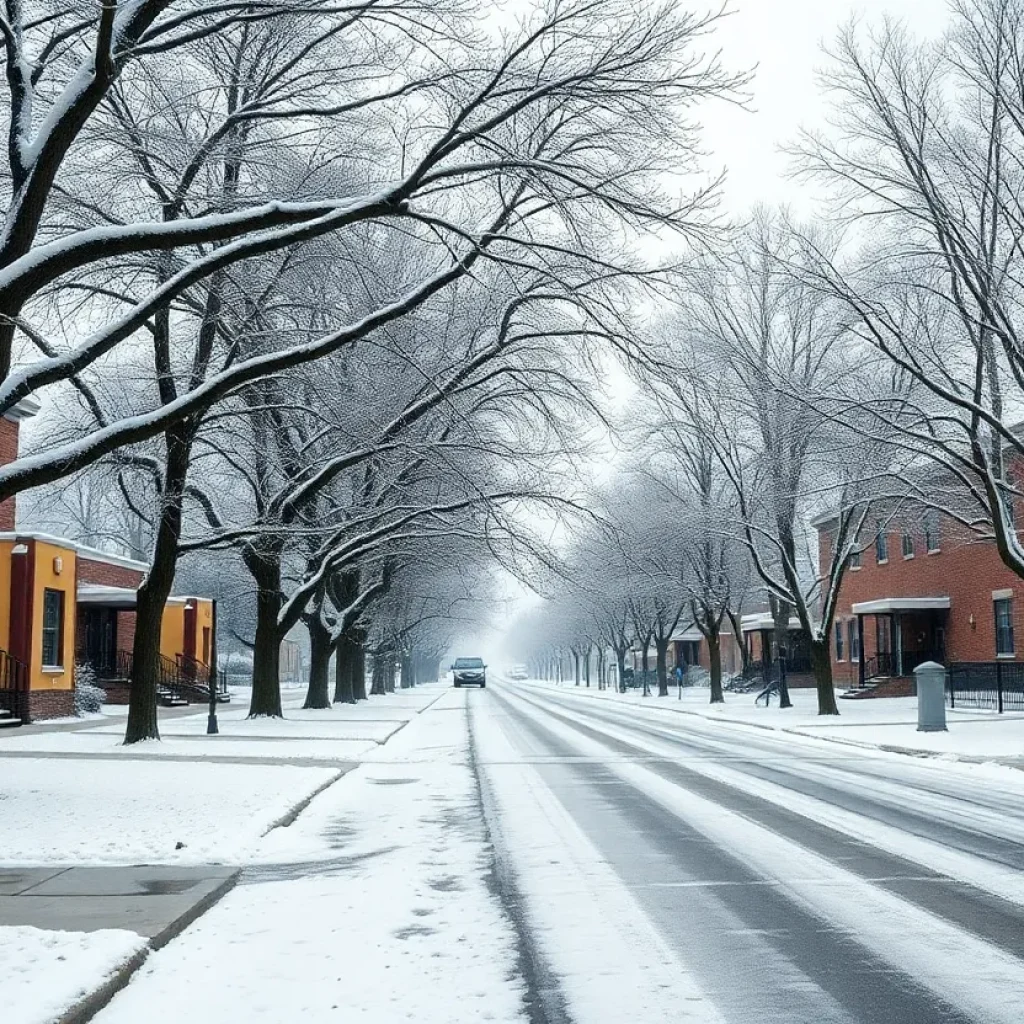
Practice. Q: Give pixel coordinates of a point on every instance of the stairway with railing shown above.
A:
(180, 680)
(13, 687)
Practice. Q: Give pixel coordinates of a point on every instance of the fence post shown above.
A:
(999, 686)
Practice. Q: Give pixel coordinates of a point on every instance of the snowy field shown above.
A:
(880, 722)
(45, 972)
(376, 899)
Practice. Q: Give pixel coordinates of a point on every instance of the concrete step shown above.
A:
(8, 721)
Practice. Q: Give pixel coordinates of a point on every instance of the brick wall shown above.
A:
(106, 575)
(38, 705)
(125, 639)
(965, 570)
(8, 453)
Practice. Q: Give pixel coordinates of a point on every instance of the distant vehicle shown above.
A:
(469, 672)
(519, 672)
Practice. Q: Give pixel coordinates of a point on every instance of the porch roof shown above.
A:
(113, 597)
(900, 604)
(764, 620)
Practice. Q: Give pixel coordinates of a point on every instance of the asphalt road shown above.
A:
(795, 882)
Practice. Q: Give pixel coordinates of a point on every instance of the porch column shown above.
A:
(860, 646)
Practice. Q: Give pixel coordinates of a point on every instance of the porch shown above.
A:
(105, 633)
(906, 631)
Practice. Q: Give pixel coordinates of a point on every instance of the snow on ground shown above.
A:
(610, 961)
(374, 905)
(45, 972)
(880, 722)
(93, 742)
(107, 812)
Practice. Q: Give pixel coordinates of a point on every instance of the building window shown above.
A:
(1004, 625)
(932, 539)
(908, 543)
(854, 561)
(881, 544)
(839, 641)
(53, 628)
(854, 635)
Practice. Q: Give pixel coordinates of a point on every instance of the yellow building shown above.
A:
(63, 604)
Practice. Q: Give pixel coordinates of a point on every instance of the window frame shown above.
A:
(1004, 630)
(881, 545)
(56, 630)
(907, 543)
(932, 533)
(840, 650)
(853, 636)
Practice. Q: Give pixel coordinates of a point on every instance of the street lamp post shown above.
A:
(211, 720)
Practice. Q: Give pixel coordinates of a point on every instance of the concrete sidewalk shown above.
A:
(156, 902)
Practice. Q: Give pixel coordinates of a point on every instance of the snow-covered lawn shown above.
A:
(880, 722)
(373, 906)
(107, 812)
(45, 973)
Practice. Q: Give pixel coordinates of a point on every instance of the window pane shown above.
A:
(881, 544)
(53, 614)
(908, 543)
(1004, 626)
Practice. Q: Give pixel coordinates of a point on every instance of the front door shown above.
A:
(100, 641)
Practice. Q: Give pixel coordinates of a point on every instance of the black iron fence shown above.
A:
(993, 685)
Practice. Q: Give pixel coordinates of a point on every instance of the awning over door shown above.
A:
(887, 605)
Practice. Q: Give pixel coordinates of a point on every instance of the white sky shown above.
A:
(783, 38)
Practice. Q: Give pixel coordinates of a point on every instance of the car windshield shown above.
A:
(469, 663)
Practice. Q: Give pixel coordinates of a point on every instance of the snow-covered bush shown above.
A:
(89, 697)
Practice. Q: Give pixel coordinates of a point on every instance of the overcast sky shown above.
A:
(784, 37)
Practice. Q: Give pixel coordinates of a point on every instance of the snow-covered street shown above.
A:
(738, 875)
(521, 854)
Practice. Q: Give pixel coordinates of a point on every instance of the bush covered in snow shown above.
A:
(89, 697)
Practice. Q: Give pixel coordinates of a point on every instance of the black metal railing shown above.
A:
(880, 666)
(993, 685)
(180, 678)
(13, 683)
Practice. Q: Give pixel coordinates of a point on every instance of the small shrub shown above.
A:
(89, 697)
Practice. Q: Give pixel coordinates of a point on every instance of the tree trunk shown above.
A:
(265, 565)
(620, 662)
(358, 664)
(405, 672)
(344, 668)
(586, 669)
(740, 640)
(715, 666)
(661, 646)
(155, 589)
(781, 612)
(821, 661)
(376, 675)
(576, 666)
(318, 695)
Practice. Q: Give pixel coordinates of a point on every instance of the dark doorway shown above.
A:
(101, 641)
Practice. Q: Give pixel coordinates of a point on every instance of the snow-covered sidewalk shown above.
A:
(77, 797)
(374, 905)
(47, 972)
(888, 723)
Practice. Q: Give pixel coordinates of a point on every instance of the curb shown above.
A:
(87, 1007)
(289, 816)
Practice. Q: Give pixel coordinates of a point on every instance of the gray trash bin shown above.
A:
(931, 697)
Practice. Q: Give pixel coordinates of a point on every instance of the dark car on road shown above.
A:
(469, 672)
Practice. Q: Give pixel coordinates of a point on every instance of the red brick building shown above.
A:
(924, 589)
